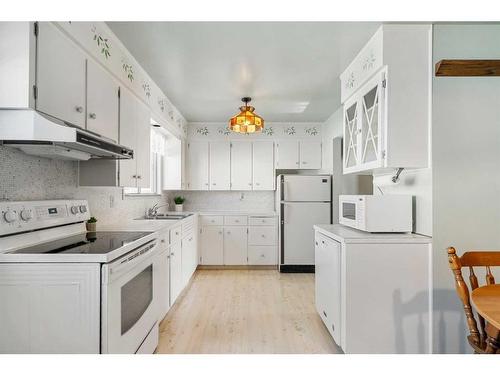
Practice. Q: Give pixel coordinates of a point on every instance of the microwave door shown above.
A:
(348, 214)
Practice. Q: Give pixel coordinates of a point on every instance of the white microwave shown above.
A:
(376, 213)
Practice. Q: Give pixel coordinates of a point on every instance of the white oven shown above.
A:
(129, 317)
(376, 213)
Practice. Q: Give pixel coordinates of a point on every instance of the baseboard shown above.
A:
(202, 267)
(296, 268)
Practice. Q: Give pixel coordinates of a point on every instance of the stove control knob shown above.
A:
(26, 215)
(83, 209)
(74, 210)
(10, 216)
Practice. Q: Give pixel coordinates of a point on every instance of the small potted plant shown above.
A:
(91, 224)
(179, 203)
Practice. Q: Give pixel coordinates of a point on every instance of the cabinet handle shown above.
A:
(172, 254)
(206, 183)
(214, 184)
(134, 176)
(139, 177)
(263, 236)
(324, 313)
(92, 116)
(220, 232)
(249, 184)
(297, 163)
(316, 243)
(236, 221)
(79, 108)
(304, 162)
(228, 232)
(162, 241)
(257, 183)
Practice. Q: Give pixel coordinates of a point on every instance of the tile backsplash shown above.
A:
(26, 177)
(226, 200)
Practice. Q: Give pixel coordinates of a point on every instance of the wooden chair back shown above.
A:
(471, 259)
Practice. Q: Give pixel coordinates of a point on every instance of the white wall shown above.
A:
(466, 169)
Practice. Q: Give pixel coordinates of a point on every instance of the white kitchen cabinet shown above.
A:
(310, 154)
(263, 165)
(386, 124)
(327, 283)
(189, 257)
(241, 165)
(298, 154)
(162, 277)
(262, 255)
(176, 282)
(54, 303)
(362, 278)
(172, 172)
(197, 158)
(235, 245)
(102, 102)
(135, 132)
(212, 245)
(220, 165)
(287, 154)
(60, 76)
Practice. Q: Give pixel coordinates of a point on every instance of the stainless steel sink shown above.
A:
(165, 217)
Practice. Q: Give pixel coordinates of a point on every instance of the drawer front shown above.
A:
(212, 220)
(262, 236)
(262, 220)
(175, 234)
(235, 220)
(164, 237)
(262, 255)
(187, 225)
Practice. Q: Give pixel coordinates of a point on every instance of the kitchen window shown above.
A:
(157, 160)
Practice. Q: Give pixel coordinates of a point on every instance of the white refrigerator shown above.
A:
(302, 201)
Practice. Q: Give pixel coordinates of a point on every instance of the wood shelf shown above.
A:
(468, 68)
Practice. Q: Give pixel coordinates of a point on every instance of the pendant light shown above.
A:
(246, 121)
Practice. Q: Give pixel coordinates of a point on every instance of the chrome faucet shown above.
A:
(153, 211)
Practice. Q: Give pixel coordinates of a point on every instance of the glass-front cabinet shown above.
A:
(364, 122)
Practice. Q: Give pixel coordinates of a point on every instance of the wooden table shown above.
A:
(486, 300)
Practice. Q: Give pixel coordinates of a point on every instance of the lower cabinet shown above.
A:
(327, 283)
(235, 245)
(176, 284)
(212, 245)
(189, 257)
(238, 240)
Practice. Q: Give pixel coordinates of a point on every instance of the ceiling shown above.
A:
(290, 69)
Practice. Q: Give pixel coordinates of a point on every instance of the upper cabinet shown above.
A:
(60, 76)
(197, 159)
(220, 167)
(263, 165)
(385, 93)
(241, 165)
(298, 154)
(102, 102)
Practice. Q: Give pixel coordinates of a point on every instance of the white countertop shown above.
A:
(345, 234)
(140, 225)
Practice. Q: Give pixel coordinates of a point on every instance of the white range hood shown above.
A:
(37, 134)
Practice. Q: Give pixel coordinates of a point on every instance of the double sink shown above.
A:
(165, 217)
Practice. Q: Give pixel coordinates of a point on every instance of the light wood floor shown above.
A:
(245, 311)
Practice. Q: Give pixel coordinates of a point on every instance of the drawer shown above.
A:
(235, 220)
(164, 238)
(212, 220)
(262, 235)
(175, 234)
(262, 255)
(262, 220)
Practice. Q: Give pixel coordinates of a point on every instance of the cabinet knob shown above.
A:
(134, 176)
(297, 162)
(220, 232)
(214, 184)
(172, 254)
(228, 232)
(263, 236)
(206, 183)
(139, 177)
(92, 116)
(257, 183)
(176, 233)
(304, 162)
(236, 221)
(316, 243)
(79, 108)
(162, 241)
(249, 184)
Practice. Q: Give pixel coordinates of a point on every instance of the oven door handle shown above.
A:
(128, 261)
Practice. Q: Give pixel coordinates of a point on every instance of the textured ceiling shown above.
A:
(290, 69)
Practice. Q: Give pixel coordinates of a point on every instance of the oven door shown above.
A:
(348, 212)
(129, 300)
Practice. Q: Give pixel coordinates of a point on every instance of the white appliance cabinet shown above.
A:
(298, 154)
(374, 291)
(386, 94)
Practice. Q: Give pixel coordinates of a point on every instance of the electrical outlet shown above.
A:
(242, 196)
(111, 201)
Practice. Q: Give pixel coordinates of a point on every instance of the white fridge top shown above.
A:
(345, 234)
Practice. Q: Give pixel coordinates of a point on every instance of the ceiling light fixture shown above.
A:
(246, 121)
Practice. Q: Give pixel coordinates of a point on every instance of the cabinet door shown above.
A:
(241, 165)
(172, 173)
(60, 76)
(189, 257)
(212, 242)
(263, 165)
(128, 137)
(220, 165)
(351, 110)
(235, 245)
(371, 98)
(162, 282)
(102, 102)
(197, 156)
(176, 283)
(143, 149)
(287, 155)
(310, 154)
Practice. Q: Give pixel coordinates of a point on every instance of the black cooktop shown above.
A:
(85, 243)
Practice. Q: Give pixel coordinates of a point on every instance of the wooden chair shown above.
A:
(478, 339)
